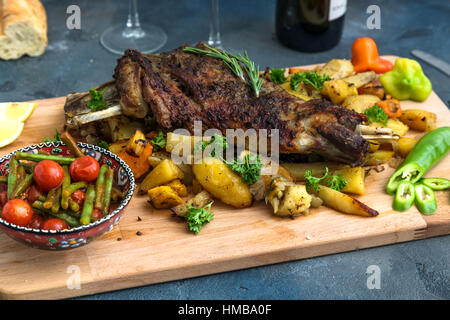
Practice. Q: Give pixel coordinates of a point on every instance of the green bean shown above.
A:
(71, 144)
(56, 203)
(74, 206)
(74, 187)
(88, 206)
(65, 184)
(22, 186)
(100, 187)
(41, 157)
(20, 173)
(49, 201)
(12, 176)
(116, 194)
(42, 198)
(108, 187)
(63, 215)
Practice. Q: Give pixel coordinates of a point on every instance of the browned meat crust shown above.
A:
(182, 87)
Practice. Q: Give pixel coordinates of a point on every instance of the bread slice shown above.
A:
(23, 28)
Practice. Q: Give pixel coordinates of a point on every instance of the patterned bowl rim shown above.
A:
(121, 206)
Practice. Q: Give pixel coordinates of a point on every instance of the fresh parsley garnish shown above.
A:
(249, 168)
(336, 182)
(103, 144)
(376, 114)
(277, 76)
(56, 138)
(312, 78)
(159, 141)
(97, 102)
(197, 217)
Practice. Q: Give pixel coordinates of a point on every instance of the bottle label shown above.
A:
(337, 9)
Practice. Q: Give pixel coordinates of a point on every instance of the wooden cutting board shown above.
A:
(235, 239)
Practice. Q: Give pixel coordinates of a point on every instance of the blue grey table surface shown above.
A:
(75, 62)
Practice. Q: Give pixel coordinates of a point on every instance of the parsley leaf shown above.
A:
(249, 168)
(159, 141)
(217, 142)
(337, 182)
(103, 144)
(97, 102)
(277, 76)
(312, 78)
(313, 182)
(197, 217)
(56, 138)
(376, 114)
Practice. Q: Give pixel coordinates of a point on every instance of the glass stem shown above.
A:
(214, 32)
(133, 26)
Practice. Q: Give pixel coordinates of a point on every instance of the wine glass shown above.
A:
(214, 32)
(143, 37)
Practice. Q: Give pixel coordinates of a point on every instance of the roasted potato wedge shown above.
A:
(163, 173)
(360, 79)
(398, 127)
(164, 197)
(288, 198)
(200, 200)
(360, 103)
(355, 179)
(405, 145)
(298, 170)
(338, 90)
(178, 187)
(418, 119)
(218, 179)
(374, 88)
(136, 144)
(378, 157)
(187, 142)
(117, 147)
(344, 203)
(336, 68)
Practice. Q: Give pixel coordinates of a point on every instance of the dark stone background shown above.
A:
(75, 61)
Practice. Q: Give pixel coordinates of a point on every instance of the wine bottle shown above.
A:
(310, 25)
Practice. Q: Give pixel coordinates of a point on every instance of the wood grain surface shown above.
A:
(235, 239)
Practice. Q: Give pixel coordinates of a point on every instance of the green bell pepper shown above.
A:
(407, 81)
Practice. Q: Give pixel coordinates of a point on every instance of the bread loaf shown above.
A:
(23, 28)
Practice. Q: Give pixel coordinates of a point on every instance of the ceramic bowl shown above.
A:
(75, 237)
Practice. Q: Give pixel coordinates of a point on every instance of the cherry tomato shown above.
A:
(54, 224)
(78, 196)
(96, 214)
(36, 221)
(85, 169)
(33, 194)
(48, 175)
(17, 211)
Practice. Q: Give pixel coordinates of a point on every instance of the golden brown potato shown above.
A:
(396, 125)
(218, 179)
(178, 187)
(200, 200)
(338, 90)
(288, 198)
(374, 88)
(355, 179)
(117, 147)
(301, 92)
(136, 144)
(360, 103)
(163, 173)
(164, 197)
(344, 203)
(418, 119)
(360, 79)
(378, 157)
(405, 145)
(336, 68)
(184, 142)
(298, 170)
(157, 157)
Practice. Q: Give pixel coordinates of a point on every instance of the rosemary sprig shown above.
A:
(252, 72)
(232, 61)
(229, 60)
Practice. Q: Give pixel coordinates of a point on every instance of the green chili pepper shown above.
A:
(436, 183)
(406, 81)
(427, 152)
(425, 199)
(404, 198)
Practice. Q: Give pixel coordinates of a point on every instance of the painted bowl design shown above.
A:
(75, 237)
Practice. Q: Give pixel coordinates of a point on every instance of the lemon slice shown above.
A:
(9, 131)
(16, 111)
